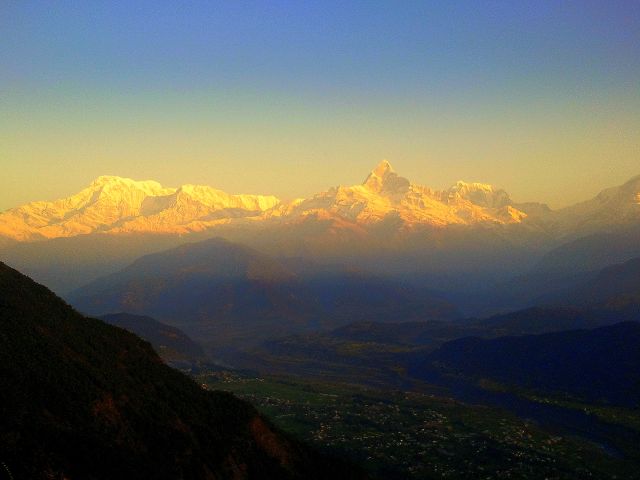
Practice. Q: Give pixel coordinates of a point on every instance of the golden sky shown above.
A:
(539, 98)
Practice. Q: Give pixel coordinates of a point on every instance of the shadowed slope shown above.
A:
(602, 364)
(227, 294)
(169, 342)
(83, 399)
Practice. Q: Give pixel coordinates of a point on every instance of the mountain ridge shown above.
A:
(170, 343)
(227, 294)
(116, 205)
(386, 225)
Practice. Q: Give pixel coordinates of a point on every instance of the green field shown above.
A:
(415, 435)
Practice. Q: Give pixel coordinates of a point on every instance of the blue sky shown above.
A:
(293, 97)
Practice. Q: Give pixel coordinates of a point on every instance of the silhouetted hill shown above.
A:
(228, 294)
(601, 364)
(615, 287)
(533, 320)
(381, 353)
(84, 399)
(592, 252)
(555, 275)
(537, 320)
(169, 342)
(64, 264)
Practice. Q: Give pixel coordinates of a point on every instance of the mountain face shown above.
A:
(592, 252)
(455, 240)
(171, 343)
(119, 205)
(611, 208)
(612, 290)
(83, 399)
(228, 294)
(384, 195)
(615, 287)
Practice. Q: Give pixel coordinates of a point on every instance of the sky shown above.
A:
(541, 98)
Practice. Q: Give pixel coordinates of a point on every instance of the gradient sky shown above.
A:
(539, 97)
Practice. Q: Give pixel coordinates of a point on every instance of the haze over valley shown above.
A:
(385, 286)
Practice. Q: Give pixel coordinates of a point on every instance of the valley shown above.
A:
(406, 434)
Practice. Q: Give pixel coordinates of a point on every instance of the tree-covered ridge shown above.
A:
(85, 400)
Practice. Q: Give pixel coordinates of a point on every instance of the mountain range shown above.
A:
(226, 294)
(117, 205)
(120, 205)
(483, 251)
(610, 296)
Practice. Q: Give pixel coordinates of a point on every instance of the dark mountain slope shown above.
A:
(385, 351)
(559, 271)
(592, 252)
(602, 364)
(227, 294)
(83, 399)
(537, 320)
(169, 342)
(616, 287)
(64, 264)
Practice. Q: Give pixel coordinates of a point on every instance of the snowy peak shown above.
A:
(612, 207)
(218, 200)
(384, 180)
(480, 194)
(117, 205)
(124, 194)
(103, 180)
(112, 183)
(382, 169)
(386, 196)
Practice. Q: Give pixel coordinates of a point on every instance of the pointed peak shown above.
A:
(384, 179)
(383, 168)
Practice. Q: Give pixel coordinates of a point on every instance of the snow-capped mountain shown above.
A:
(386, 195)
(113, 204)
(120, 205)
(613, 207)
